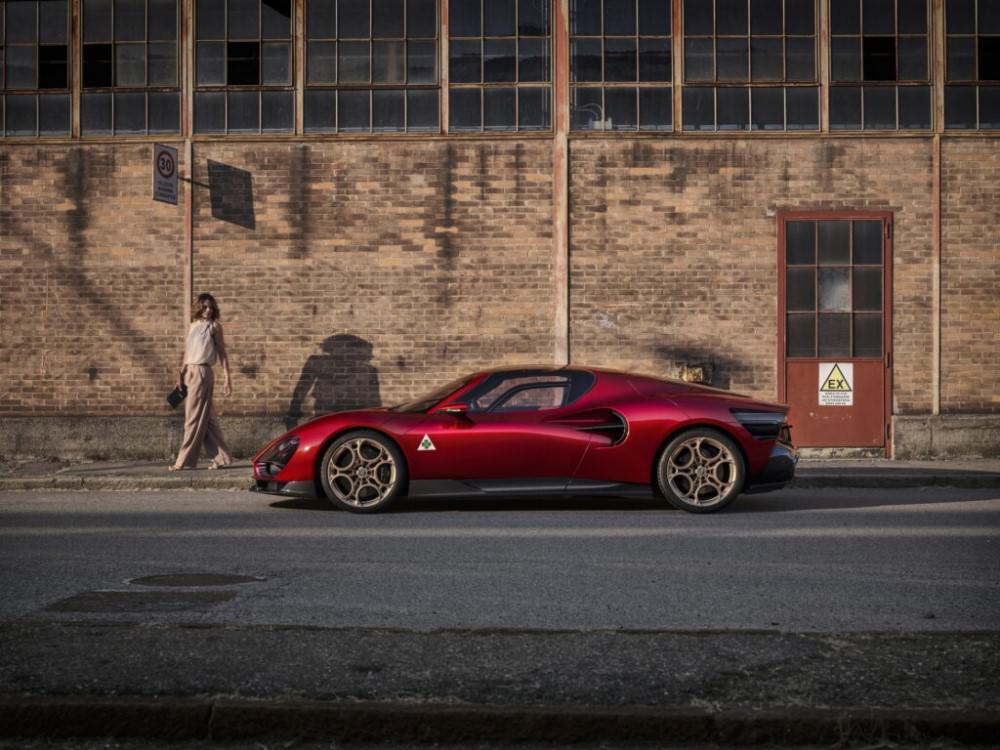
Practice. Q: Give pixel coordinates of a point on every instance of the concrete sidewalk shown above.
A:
(153, 475)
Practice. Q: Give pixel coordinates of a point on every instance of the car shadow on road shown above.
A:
(494, 504)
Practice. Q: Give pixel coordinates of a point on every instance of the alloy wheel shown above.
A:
(362, 472)
(702, 471)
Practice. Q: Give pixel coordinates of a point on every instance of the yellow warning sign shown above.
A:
(836, 384)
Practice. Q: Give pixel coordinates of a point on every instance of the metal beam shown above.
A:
(560, 182)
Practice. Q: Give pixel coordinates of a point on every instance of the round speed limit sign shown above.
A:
(165, 164)
(165, 173)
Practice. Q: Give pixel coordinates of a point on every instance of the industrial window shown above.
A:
(243, 66)
(130, 72)
(34, 68)
(750, 65)
(371, 65)
(879, 65)
(499, 68)
(620, 65)
(972, 68)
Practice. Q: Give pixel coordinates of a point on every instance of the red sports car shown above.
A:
(538, 431)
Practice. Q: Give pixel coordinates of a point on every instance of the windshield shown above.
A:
(425, 403)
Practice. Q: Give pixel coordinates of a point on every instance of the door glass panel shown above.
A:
(867, 288)
(868, 335)
(835, 335)
(834, 242)
(834, 289)
(801, 289)
(868, 242)
(801, 334)
(800, 242)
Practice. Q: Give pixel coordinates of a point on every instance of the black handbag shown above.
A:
(177, 395)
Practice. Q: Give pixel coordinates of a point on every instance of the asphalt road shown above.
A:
(794, 561)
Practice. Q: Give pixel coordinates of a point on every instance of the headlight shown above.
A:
(284, 450)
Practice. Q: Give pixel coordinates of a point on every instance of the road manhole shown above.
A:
(195, 579)
(140, 602)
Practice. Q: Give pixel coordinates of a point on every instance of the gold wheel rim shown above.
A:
(701, 471)
(362, 472)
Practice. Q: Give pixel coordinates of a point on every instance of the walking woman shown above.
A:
(205, 345)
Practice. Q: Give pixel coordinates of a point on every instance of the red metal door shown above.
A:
(834, 327)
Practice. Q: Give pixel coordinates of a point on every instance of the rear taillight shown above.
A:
(764, 425)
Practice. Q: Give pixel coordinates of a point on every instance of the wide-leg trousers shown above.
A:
(201, 424)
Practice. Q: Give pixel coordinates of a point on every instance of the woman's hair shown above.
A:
(199, 306)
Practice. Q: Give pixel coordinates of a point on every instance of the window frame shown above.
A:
(974, 84)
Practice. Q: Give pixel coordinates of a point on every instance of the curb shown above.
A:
(237, 719)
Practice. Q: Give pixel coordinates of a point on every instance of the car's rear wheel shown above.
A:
(700, 470)
(363, 472)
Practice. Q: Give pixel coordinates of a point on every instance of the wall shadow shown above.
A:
(230, 190)
(340, 377)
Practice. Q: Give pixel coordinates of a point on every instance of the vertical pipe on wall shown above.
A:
(187, 71)
(937, 71)
(188, 229)
(560, 182)
(299, 22)
(443, 67)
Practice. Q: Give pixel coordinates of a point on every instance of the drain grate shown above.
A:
(195, 579)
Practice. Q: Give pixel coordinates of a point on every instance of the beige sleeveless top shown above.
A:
(200, 346)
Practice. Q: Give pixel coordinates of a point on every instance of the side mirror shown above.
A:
(455, 409)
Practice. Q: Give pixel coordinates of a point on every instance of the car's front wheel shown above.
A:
(363, 472)
(700, 470)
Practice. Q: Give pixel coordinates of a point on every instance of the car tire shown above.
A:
(700, 470)
(363, 471)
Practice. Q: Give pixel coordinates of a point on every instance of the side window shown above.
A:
(496, 388)
(532, 398)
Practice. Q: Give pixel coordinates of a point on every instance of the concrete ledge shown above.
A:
(235, 719)
(946, 436)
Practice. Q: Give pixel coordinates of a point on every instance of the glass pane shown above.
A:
(654, 18)
(619, 18)
(53, 114)
(164, 112)
(845, 17)
(533, 17)
(989, 17)
(765, 59)
(421, 19)
(654, 60)
(499, 61)
(353, 111)
(243, 111)
(242, 19)
(620, 108)
(243, 63)
(95, 114)
(845, 59)
(802, 109)
(961, 58)
(96, 20)
(96, 65)
(500, 109)
(22, 115)
(845, 108)
(420, 62)
(464, 58)
(879, 58)
(533, 60)
(464, 109)
(163, 64)
(276, 19)
(800, 17)
(387, 18)
(53, 22)
(655, 109)
(835, 335)
(800, 288)
(834, 242)
(277, 63)
(960, 16)
(878, 16)
(130, 67)
(880, 107)
(989, 58)
(321, 19)
(353, 21)
(321, 62)
(162, 24)
(731, 17)
(834, 289)
(463, 18)
(913, 58)
(912, 16)
(800, 58)
(320, 111)
(586, 60)
(352, 61)
(989, 107)
(733, 59)
(698, 18)
(130, 112)
(388, 110)
(768, 106)
(209, 111)
(498, 18)
(620, 60)
(960, 107)
(801, 335)
(130, 25)
(52, 67)
(733, 109)
(867, 335)
(389, 66)
(587, 109)
(699, 60)
(867, 242)
(867, 289)
(422, 110)
(800, 242)
(22, 27)
(21, 72)
(915, 107)
(533, 109)
(698, 108)
(765, 16)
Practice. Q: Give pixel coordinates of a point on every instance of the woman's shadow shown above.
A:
(340, 378)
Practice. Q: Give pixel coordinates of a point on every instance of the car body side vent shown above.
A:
(605, 422)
